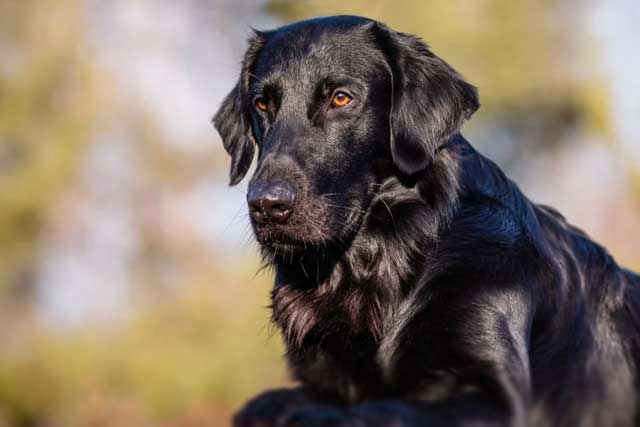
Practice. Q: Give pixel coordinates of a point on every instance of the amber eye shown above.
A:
(261, 104)
(340, 99)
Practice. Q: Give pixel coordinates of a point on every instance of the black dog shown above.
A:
(415, 284)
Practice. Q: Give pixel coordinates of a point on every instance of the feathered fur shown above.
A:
(415, 284)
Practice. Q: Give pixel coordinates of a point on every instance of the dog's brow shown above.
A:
(261, 86)
(334, 81)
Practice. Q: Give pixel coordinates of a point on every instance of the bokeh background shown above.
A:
(128, 286)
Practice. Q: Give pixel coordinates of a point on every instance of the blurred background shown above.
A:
(128, 286)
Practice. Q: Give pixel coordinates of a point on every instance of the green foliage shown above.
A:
(48, 94)
(204, 345)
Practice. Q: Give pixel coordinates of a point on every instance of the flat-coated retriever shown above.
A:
(415, 285)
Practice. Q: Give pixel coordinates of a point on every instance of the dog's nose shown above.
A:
(271, 203)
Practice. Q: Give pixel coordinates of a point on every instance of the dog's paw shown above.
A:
(249, 419)
(265, 409)
(317, 416)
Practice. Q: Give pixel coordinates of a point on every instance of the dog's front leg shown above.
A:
(475, 372)
(483, 395)
(399, 413)
(265, 409)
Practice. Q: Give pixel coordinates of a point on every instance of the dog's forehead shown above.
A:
(314, 49)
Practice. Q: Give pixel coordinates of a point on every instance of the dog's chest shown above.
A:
(346, 349)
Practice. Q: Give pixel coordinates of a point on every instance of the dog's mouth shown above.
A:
(308, 232)
(287, 249)
(286, 246)
(280, 241)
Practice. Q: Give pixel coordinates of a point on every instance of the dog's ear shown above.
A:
(233, 119)
(233, 124)
(430, 100)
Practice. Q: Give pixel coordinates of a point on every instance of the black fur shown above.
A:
(415, 284)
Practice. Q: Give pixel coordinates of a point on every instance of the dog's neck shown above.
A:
(367, 279)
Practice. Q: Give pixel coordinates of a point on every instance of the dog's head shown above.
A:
(333, 105)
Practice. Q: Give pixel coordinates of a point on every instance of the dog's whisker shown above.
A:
(436, 278)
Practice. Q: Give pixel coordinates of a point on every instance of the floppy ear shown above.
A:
(430, 100)
(231, 123)
(233, 119)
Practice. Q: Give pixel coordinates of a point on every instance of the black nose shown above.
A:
(271, 203)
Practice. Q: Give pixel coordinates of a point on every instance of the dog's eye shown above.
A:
(261, 104)
(340, 99)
